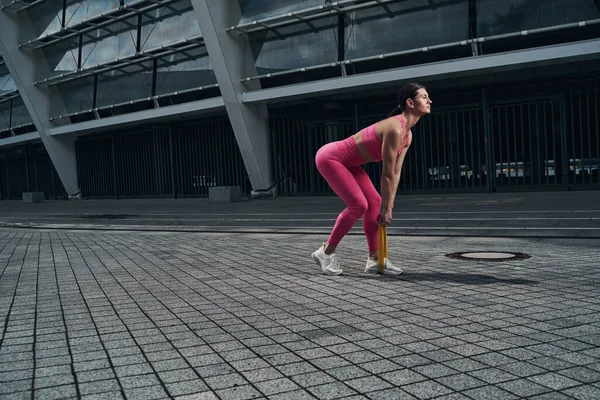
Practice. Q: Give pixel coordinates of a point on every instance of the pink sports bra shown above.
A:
(373, 144)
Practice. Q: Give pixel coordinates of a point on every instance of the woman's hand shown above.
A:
(385, 218)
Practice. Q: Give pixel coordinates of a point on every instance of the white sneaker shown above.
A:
(329, 262)
(388, 267)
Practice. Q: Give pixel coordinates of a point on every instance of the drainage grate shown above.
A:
(488, 256)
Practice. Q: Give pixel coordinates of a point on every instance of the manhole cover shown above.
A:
(488, 256)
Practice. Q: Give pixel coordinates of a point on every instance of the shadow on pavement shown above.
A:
(468, 279)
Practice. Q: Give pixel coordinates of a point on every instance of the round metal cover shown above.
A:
(488, 256)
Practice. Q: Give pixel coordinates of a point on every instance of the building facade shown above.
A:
(166, 98)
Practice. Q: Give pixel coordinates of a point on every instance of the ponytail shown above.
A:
(408, 91)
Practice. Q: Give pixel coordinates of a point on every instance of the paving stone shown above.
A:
(391, 394)
(426, 389)
(331, 391)
(489, 393)
(313, 378)
(554, 381)
(96, 387)
(148, 392)
(225, 381)
(136, 381)
(460, 382)
(54, 380)
(523, 387)
(56, 392)
(186, 387)
(239, 393)
(583, 392)
(293, 395)
(515, 330)
(367, 384)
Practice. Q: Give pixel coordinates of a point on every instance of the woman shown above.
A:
(340, 164)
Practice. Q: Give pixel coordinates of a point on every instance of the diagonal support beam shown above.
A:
(232, 59)
(23, 68)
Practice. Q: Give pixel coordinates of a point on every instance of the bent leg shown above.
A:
(369, 219)
(344, 184)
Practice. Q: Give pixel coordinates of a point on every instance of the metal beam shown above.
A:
(232, 60)
(19, 140)
(541, 56)
(179, 111)
(23, 68)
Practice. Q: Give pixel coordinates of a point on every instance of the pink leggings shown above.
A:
(340, 164)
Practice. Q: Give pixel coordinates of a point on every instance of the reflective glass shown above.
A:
(4, 115)
(7, 84)
(372, 31)
(115, 89)
(79, 11)
(173, 28)
(111, 47)
(495, 17)
(258, 9)
(185, 75)
(20, 115)
(301, 47)
(46, 18)
(62, 57)
(76, 96)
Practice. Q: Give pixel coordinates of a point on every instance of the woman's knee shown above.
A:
(374, 202)
(359, 207)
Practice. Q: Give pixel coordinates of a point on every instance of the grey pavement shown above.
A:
(518, 214)
(149, 315)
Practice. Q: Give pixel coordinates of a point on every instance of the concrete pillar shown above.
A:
(24, 66)
(232, 60)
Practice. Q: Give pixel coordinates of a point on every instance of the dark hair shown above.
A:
(408, 91)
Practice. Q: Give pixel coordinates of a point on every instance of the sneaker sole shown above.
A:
(326, 271)
(375, 271)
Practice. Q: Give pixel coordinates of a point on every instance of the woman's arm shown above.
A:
(392, 140)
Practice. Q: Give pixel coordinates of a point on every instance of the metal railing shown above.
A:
(552, 141)
(29, 172)
(417, 50)
(177, 161)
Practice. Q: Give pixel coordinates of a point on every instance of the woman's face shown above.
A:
(422, 102)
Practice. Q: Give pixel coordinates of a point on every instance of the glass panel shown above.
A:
(46, 18)
(20, 115)
(258, 9)
(112, 47)
(62, 57)
(169, 30)
(4, 116)
(495, 17)
(301, 47)
(185, 75)
(79, 11)
(113, 89)
(372, 31)
(7, 84)
(76, 96)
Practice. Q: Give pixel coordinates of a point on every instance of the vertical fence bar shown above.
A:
(115, 168)
(487, 140)
(544, 106)
(172, 163)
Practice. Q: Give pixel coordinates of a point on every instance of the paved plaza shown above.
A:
(151, 315)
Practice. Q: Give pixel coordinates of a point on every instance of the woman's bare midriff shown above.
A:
(361, 147)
